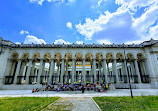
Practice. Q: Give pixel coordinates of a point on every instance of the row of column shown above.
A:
(31, 65)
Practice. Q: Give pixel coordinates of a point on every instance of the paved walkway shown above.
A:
(74, 104)
(116, 92)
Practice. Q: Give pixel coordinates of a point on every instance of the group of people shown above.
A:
(35, 90)
(98, 87)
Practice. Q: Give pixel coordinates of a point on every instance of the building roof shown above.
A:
(13, 45)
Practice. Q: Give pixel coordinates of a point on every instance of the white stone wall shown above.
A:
(3, 63)
(152, 61)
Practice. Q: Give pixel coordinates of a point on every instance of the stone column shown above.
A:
(36, 71)
(142, 71)
(132, 67)
(112, 72)
(55, 71)
(75, 73)
(115, 70)
(8, 68)
(105, 71)
(125, 68)
(62, 71)
(133, 71)
(137, 70)
(99, 66)
(33, 68)
(130, 74)
(35, 75)
(22, 68)
(43, 67)
(84, 72)
(24, 72)
(123, 72)
(40, 71)
(66, 76)
(58, 72)
(17, 71)
(51, 72)
(44, 74)
(108, 73)
(143, 65)
(12, 69)
(146, 67)
(118, 71)
(91, 72)
(129, 70)
(73, 70)
(47, 74)
(28, 71)
(94, 70)
(142, 68)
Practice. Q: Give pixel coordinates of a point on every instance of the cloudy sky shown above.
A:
(78, 21)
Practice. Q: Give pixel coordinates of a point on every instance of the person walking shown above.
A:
(82, 88)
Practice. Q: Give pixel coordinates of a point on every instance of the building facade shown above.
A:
(25, 66)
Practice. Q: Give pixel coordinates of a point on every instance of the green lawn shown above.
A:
(25, 103)
(139, 103)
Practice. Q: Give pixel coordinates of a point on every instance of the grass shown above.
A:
(139, 103)
(25, 103)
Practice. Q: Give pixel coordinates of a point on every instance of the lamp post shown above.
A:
(127, 72)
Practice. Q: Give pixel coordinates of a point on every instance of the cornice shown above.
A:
(9, 44)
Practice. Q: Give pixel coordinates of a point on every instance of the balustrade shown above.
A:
(9, 79)
(21, 79)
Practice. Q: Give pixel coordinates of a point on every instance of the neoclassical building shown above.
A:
(25, 66)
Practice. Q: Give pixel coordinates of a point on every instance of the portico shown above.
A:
(28, 64)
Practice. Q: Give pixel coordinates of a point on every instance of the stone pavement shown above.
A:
(116, 92)
(74, 104)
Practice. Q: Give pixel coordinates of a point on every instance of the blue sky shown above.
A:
(78, 21)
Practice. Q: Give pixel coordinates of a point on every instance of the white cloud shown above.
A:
(32, 39)
(134, 4)
(17, 43)
(61, 41)
(79, 42)
(40, 2)
(100, 1)
(134, 42)
(101, 41)
(122, 24)
(71, 1)
(153, 31)
(69, 25)
(24, 32)
(145, 22)
(94, 26)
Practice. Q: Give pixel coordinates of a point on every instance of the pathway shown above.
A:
(116, 92)
(74, 104)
